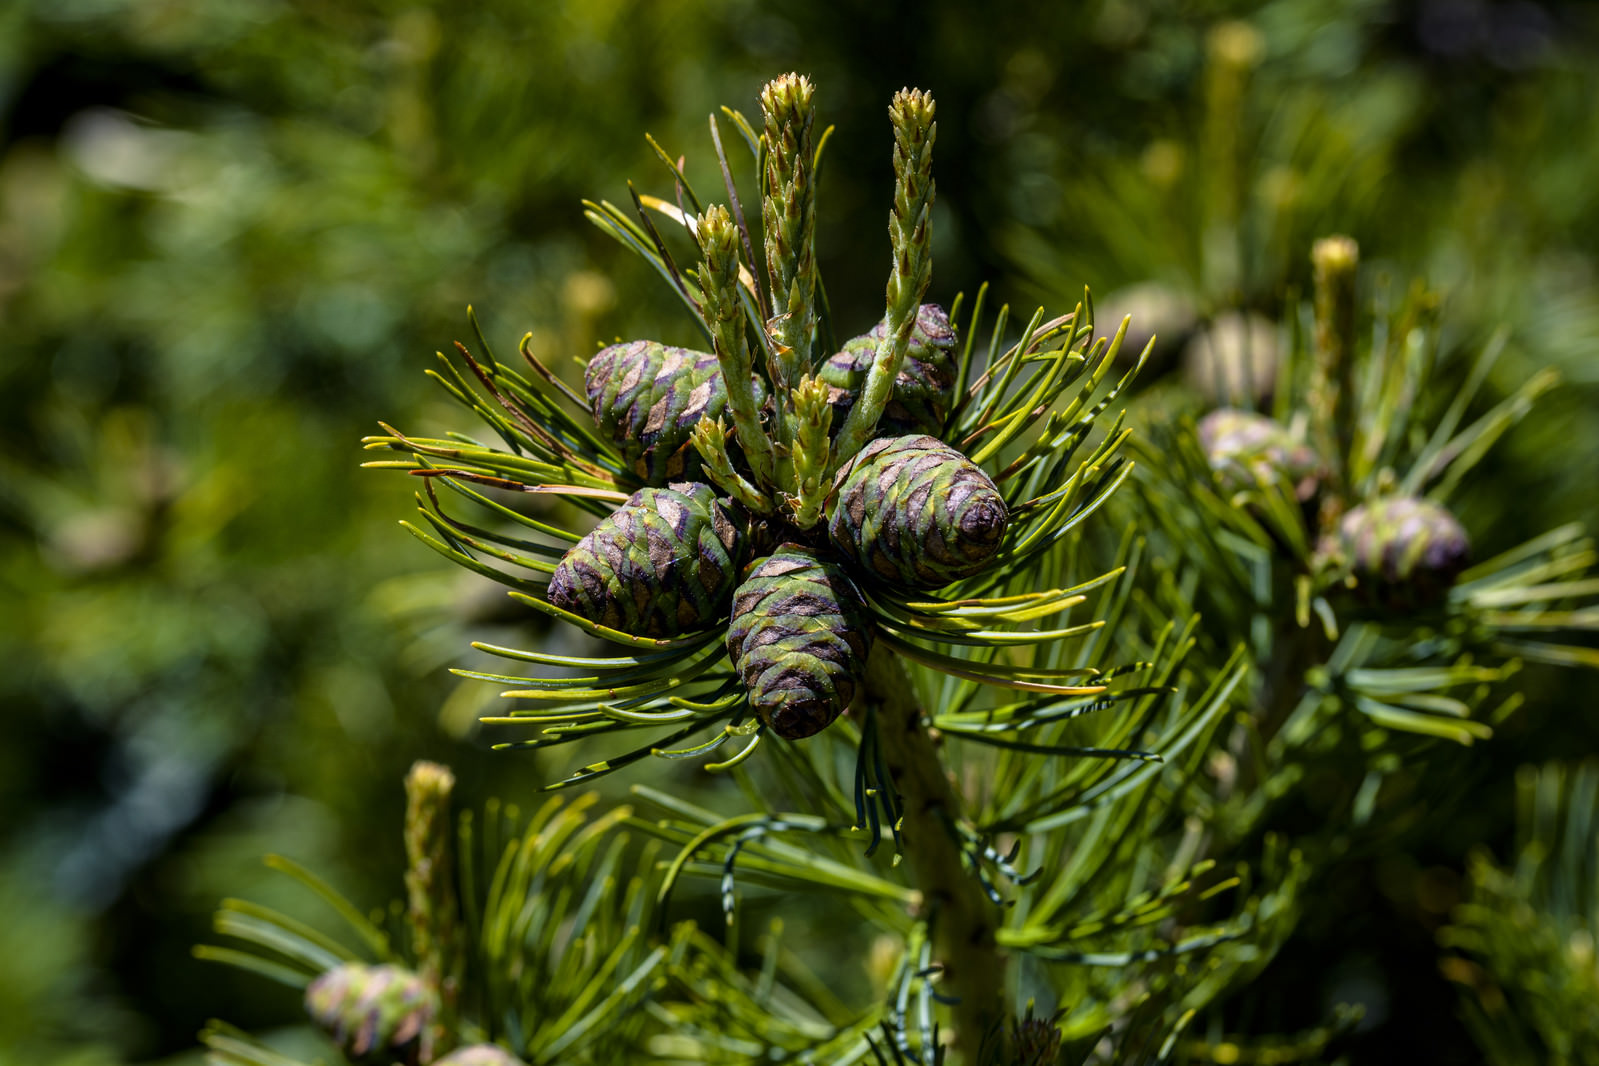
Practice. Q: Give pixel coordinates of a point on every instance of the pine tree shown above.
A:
(1017, 691)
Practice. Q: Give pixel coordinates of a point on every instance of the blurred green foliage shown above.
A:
(1523, 937)
(231, 234)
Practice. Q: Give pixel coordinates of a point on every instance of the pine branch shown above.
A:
(964, 921)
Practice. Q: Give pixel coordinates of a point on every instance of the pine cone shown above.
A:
(377, 1015)
(799, 638)
(1404, 551)
(663, 563)
(914, 511)
(1235, 360)
(648, 398)
(479, 1055)
(924, 389)
(1244, 447)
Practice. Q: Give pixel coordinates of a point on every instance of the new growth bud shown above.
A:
(812, 420)
(910, 232)
(431, 908)
(909, 225)
(1332, 389)
(710, 441)
(724, 314)
(718, 240)
(788, 216)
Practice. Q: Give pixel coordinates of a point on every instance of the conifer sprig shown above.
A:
(553, 958)
(1045, 735)
(679, 688)
(1332, 562)
(986, 667)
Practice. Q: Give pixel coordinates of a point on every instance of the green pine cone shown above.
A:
(480, 1055)
(648, 397)
(663, 563)
(913, 511)
(799, 638)
(923, 391)
(1403, 550)
(377, 1015)
(1244, 447)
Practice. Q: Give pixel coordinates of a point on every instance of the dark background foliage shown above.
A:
(232, 234)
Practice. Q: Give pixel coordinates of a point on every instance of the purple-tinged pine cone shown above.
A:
(1244, 448)
(799, 638)
(912, 511)
(1403, 550)
(663, 563)
(377, 1015)
(648, 397)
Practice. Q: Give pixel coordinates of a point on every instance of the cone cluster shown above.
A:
(774, 510)
(1395, 550)
(907, 511)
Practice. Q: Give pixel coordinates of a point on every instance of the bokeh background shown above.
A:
(232, 234)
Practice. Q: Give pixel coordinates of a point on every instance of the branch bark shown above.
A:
(962, 918)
